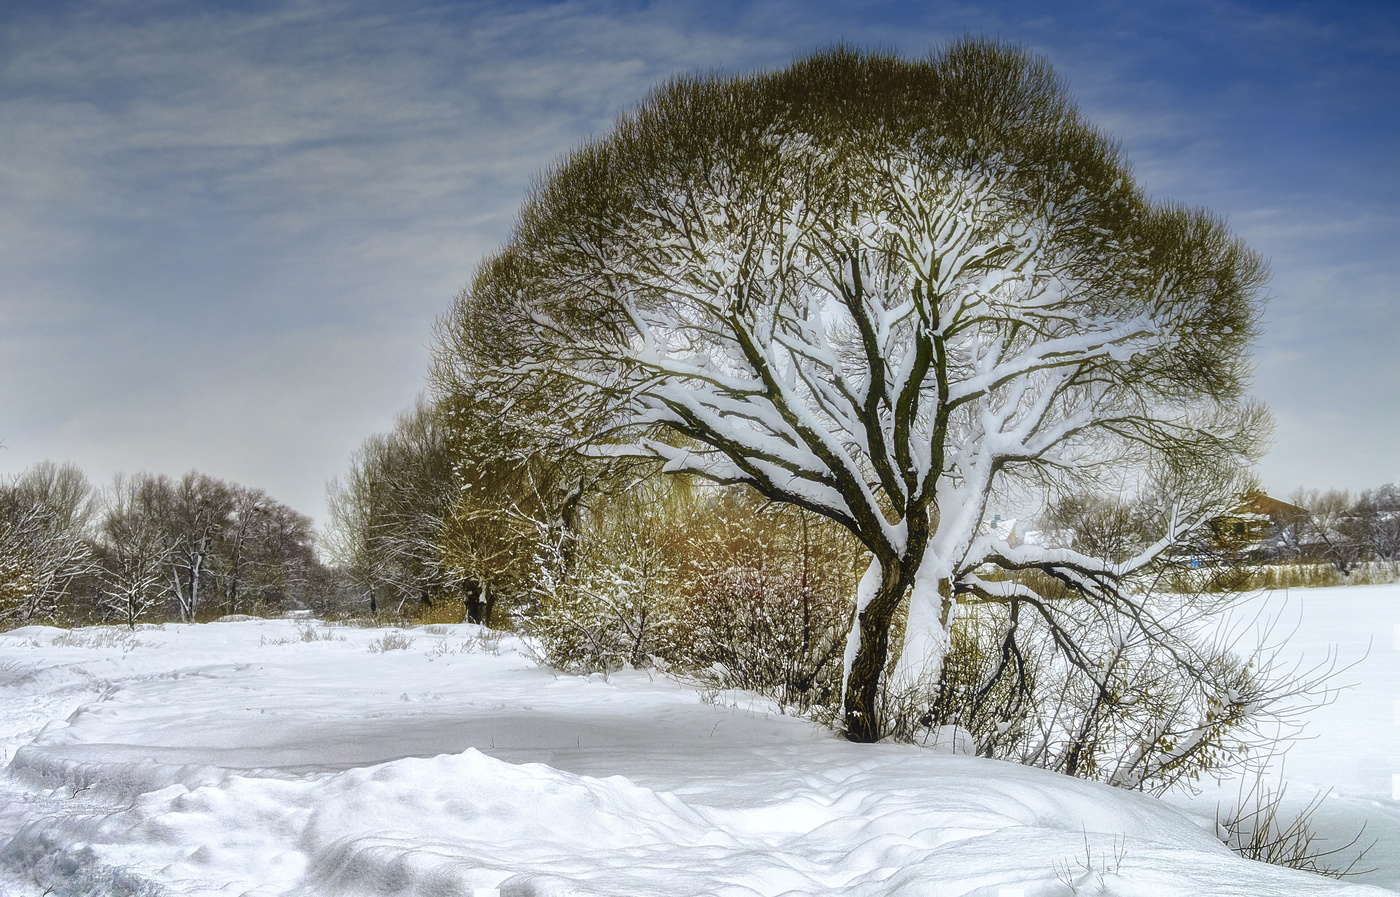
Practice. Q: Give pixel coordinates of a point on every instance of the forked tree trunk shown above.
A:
(861, 710)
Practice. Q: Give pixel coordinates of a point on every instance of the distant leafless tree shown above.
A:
(46, 529)
(136, 550)
(1378, 513)
(1332, 531)
(389, 511)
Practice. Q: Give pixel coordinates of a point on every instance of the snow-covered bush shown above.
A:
(767, 600)
(601, 617)
(604, 598)
(715, 582)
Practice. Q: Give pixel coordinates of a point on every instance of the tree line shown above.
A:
(149, 547)
(1330, 527)
(1339, 529)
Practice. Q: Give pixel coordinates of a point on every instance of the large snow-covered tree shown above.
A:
(893, 293)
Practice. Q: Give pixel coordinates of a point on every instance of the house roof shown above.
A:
(1260, 503)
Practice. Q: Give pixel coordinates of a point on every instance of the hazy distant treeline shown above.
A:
(152, 548)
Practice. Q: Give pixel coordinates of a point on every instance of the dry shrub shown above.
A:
(712, 581)
(1242, 577)
(1260, 826)
(759, 630)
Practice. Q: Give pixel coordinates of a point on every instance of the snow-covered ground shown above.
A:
(1349, 758)
(238, 759)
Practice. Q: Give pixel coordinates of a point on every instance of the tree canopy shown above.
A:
(892, 292)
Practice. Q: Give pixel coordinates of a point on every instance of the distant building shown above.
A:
(1257, 520)
(1003, 529)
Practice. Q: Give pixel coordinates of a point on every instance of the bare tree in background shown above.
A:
(136, 550)
(200, 508)
(1378, 513)
(1332, 531)
(47, 514)
(387, 514)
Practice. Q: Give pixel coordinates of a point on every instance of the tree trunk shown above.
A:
(194, 585)
(926, 633)
(474, 600)
(861, 711)
(235, 571)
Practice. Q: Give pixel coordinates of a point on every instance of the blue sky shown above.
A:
(227, 228)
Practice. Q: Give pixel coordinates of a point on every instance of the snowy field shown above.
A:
(239, 759)
(1351, 750)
